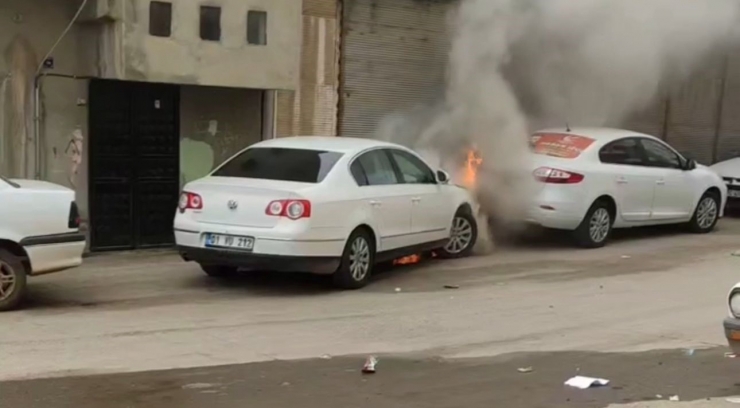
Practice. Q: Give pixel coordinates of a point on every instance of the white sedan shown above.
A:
(326, 205)
(39, 234)
(732, 322)
(729, 170)
(593, 180)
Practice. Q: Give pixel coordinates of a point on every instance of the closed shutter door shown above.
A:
(694, 110)
(394, 57)
(312, 108)
(650, 120)
(728, 145)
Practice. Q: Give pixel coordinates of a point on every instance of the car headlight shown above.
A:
(735, 303)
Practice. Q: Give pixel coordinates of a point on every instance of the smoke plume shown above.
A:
(518, 65)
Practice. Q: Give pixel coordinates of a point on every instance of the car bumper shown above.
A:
(54, 253)
(254, 261)
(555, 215)
(732, 333)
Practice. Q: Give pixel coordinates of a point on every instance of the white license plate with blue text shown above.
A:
(229, 241)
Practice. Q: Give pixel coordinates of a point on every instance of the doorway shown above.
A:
(134, 164)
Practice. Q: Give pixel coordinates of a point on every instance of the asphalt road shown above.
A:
(146, 330)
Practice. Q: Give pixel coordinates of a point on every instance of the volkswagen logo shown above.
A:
(232, 204)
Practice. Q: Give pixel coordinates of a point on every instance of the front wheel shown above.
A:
(706, 214)
(596, 226)
(358, 261)
(12, 281)
(463, 236)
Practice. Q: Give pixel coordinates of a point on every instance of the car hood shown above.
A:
(728, 168)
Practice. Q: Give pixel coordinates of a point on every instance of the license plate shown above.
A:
(229, 241)
(733, 193)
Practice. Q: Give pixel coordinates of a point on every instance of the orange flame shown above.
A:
(470, 173)
(407, 260)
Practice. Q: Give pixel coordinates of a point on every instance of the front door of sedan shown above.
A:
(632, 183)
(386, 198)
(431, 210)
(674, 192)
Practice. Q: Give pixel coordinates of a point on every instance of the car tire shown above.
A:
(13, 275)
(219, 271)
(596, 227)
(463, 236)
(706, 214)
(358, 261)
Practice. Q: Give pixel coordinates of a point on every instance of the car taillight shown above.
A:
(293, 209)
(555, 176)
(190, 201)
(74, 216)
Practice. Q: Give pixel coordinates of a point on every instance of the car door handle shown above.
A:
(416, 199)
(375, 203)
(660, 182)
(621, 180)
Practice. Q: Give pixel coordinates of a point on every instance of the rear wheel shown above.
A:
(219, 271)
(596, 226)
(463, 236)
(12, 280)
(706, 214)
(358, 261)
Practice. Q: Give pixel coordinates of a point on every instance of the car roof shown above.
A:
(329, 143)
(602, 135)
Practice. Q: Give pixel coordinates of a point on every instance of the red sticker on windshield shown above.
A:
(560, 145)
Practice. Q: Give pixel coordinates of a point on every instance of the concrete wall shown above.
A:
(215, 123)
(312, 108)
(185, 58)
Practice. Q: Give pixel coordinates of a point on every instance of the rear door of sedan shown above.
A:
(675, 192)
(387, 198)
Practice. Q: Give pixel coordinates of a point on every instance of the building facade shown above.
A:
(394, 56)
(126, 100)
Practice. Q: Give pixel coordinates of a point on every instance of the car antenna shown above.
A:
(567, 127)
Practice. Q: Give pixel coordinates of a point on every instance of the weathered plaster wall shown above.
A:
(185, 58)
(28, 29)
(312, 108)
(215, 123)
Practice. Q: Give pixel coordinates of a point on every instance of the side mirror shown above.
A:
(690, 165)
(443, 177)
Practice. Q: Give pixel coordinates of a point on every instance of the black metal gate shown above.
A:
(134, 164)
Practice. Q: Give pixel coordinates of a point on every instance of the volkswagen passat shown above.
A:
(326, 205)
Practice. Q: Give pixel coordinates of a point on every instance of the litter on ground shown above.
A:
(582, 382)
(369, 367)
(674, 398)
(525, 369)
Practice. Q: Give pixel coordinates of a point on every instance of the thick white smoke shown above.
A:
(517, 65)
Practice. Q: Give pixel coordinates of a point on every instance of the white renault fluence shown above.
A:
(593, 180)
(327, 205)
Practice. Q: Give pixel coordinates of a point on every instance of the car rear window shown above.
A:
(559, 145)
(271, 163)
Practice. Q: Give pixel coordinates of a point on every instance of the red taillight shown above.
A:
(293, 209)
(190, 201)
(555, 176)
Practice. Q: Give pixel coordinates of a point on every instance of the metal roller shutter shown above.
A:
(394, 56)
(728, 145)
(650, 121)
(312, 109)
(694, 110)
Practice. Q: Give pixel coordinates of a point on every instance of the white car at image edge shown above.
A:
(39, 234)
(325, 205)
(729, 170)
(732, 322)
(590, 181)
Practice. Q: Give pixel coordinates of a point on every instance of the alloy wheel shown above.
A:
(7, 280)
(359, 259)
(706, 213)
(599, 225)
(460, 237)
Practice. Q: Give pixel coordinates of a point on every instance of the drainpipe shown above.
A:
(37, 95)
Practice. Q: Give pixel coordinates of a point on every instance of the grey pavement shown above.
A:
(111, 326)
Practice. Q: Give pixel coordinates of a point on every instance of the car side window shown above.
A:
(413, 170)
(622, 151)
(358, 173)
(659, 155)
(377, 168)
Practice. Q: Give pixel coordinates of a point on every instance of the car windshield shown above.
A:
(560, 145)
(284, 164)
